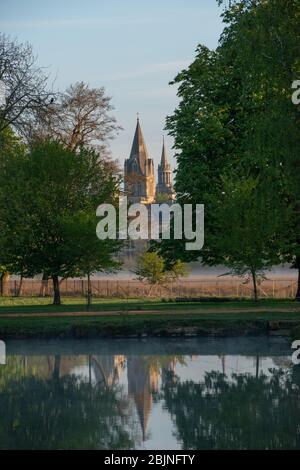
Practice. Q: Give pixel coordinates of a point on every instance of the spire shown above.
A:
(143, 403)
(164, 157)
(138, 149)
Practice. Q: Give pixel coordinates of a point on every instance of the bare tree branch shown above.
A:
(25, 85)
(79, 116)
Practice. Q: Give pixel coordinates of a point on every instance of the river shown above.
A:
(198, 393)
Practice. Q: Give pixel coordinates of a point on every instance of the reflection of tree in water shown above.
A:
(107, 369)
(44, 405)
(240, 412)
(60, 412)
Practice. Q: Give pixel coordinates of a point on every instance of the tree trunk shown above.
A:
(19, 293)
(89, 292)
(298, 288)
(56, 369)
(56, 291)
(4, 287)
(254, 286)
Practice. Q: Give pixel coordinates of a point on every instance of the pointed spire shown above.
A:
(164, 157)
(139, 149)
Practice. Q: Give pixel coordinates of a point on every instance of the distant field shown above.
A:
(184, 288)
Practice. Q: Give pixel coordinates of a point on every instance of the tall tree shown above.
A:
(12, 151)
(236, 116)
(45, 228)
(262, 37)
(249, 227)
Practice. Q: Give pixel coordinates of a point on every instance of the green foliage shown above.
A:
(78, 414)
(236, 117)
(160, 198)
(248, 225)
(49, 226)
(176, 270)
(150, 267)
(222, 411)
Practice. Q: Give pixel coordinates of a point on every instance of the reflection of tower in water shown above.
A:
(143, 376)
(142, 380)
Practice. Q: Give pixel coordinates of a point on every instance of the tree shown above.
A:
(152, 268)
(262, 37)
(236, 116)
(92, 254)
(79, 116)
(205, 127)
(60, 411)
(222, 411)
(24, 85)
(176, 270)
(12, 152)
(50, 226)
(249, 225)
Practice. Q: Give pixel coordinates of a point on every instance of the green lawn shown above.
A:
(174, 318)
(76, 304)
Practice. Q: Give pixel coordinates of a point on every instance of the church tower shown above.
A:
(139, 182)
(164, 186)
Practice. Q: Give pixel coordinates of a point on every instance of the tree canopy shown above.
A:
(236, 121)
(48, 203)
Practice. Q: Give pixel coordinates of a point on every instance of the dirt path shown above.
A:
(106, 313)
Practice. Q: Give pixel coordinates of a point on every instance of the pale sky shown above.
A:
(133, 48)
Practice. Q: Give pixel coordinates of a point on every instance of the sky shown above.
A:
(132, 48)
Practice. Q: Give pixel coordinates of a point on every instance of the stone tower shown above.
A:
(164, 186)
(139, 181)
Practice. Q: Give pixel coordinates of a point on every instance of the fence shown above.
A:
(185, 288)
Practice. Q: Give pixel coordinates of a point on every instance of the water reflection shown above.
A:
(193, 401)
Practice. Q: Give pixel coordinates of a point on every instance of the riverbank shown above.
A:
(37, 318)
(146, 324)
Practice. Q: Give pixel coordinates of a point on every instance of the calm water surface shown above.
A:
(233, 393)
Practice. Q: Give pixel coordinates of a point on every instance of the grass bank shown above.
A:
(76, 304)
(143, 323)
(38, 318)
